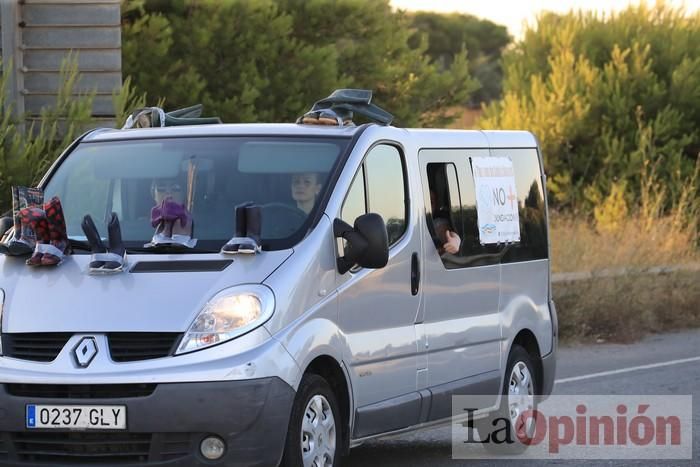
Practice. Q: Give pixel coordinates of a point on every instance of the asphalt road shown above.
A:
(434, 447)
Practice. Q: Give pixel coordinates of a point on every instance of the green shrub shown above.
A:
(269, 60)
(607, 95)
(26, 150)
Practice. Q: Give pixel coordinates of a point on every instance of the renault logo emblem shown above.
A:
(85, 351)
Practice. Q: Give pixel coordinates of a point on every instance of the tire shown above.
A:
(310, 438)
(520, 363)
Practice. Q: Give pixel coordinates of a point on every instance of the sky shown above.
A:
(512, 13)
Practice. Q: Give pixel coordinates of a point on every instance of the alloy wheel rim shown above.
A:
(318, 435)
(521, 399)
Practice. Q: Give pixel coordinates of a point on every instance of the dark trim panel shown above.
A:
(427, 405)
(549, 370)
(389, 415)
(483, 384)
(215, 265)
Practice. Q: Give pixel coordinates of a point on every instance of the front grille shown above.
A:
(175, 445)
(35, 346)
(136, 346)
(81, 448)
(80, 391)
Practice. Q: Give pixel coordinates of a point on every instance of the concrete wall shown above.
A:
(38, 34)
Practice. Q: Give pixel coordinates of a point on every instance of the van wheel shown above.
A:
(313, 437)
(518, 397)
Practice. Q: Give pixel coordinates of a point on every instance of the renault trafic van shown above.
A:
(379, 272)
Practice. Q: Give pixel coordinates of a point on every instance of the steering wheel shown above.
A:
(280, 220)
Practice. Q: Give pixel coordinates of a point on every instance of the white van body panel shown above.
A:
(253, 355)
(402, 353)
(138, 302)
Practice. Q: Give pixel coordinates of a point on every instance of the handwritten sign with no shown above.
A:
(496, 200)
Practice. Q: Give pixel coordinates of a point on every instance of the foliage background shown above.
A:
(269, 60)
(28, 149)
(608, 97)
(614, 100)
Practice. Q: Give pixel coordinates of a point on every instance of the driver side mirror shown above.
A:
(367, 242)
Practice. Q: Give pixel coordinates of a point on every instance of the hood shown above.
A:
(160, 298)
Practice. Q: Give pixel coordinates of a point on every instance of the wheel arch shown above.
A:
(527, 340)
(335, 374)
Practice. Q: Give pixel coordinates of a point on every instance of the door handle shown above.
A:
(415, 274)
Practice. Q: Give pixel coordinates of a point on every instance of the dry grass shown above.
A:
(626, 307)
(623, 309)
(577, 245)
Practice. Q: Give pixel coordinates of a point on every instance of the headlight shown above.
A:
(231, 313)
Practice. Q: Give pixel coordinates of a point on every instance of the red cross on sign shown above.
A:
(511, 197)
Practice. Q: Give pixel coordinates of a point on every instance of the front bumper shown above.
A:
(165, 428)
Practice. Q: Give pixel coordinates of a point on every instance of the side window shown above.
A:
(379, 187)
(479, 254)
(386, 189)
(355, 204)
(451, 207)
(531, 209)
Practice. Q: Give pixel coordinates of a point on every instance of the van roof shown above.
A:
(422, 137)
(225, 129)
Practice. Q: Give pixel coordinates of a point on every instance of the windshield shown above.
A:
(206, 177)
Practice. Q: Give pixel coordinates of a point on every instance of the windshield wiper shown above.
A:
(169, 248)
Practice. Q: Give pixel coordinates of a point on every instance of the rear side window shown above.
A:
(453, 207)
(379, 186)
(531, 207)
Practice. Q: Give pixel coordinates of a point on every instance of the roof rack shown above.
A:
(339, 107)
(149, 117)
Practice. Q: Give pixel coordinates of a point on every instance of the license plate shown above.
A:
(77, 417)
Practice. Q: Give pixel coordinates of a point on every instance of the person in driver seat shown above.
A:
(305, 188)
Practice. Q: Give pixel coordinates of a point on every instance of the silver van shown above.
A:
(390, 269)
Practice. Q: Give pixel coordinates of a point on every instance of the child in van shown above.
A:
(170, 217)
